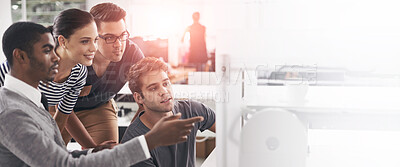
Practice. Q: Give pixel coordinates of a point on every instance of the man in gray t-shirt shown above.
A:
(151, 88)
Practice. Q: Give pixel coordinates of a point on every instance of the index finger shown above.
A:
(192, 120)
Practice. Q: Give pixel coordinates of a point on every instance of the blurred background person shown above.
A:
(198, 51)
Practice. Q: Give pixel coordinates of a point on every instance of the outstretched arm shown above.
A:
(32, 140)
(184, 34)
(170, 130)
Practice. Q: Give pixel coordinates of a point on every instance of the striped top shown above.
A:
(4, 69)
(64, 94)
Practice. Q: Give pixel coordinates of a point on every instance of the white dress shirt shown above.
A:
(23, 89)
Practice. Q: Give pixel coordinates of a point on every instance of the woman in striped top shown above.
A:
(76, 35)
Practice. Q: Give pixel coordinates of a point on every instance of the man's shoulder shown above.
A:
(181, 104)
(135, 129)
(3, 100)
(135, 123)
(13, 102)
(187, 107)
(132, 49)
(13, 99)
(187, 104)
(8, 95)
(132, 55)
(131, 44)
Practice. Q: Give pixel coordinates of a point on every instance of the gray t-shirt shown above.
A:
(177, 155)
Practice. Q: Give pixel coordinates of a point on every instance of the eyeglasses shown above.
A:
(112, 38)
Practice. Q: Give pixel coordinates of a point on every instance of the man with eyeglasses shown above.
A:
(95, 107)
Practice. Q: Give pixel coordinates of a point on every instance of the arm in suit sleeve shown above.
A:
(25, 138)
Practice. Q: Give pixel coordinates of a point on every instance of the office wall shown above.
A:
(360, 35)
(5, 17)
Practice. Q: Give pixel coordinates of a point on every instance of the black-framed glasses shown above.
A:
(112, 38)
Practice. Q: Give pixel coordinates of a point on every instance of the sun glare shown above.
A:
(159, 21)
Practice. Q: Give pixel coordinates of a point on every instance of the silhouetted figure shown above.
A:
(198, 51)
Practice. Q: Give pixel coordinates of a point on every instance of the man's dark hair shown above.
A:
(68, 21)
(107, 12)
(21, 35)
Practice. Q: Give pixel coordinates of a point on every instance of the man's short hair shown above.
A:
(145, 65)
(21, 35)
(107, 12)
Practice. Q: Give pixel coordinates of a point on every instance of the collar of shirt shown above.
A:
(23, 89)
